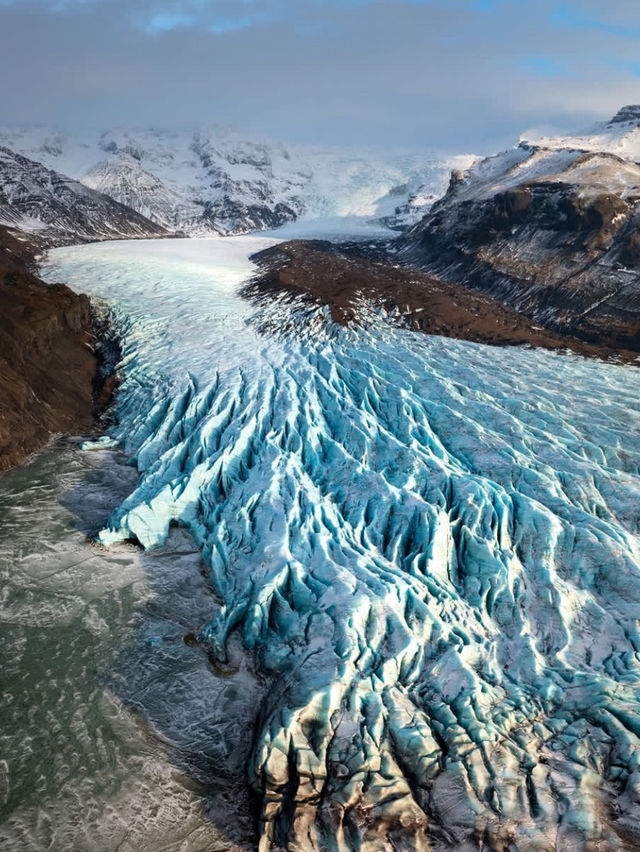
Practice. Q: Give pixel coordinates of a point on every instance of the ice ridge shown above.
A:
(432, 547)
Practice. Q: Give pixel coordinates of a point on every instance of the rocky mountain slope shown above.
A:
(54, 209)
(356, 281)
(48, 365)
(215, 181)
(550, 228)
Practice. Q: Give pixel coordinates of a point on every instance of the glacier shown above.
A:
(429, 546)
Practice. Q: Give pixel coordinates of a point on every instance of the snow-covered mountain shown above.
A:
(41, 201)
(215, 181)
(551, 228)
(619, 136)
(558, 157)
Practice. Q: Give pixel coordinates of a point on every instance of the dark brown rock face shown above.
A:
(561, 247)
(47, 360)
(347, 281)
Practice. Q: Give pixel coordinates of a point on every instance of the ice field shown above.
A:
(428, 550)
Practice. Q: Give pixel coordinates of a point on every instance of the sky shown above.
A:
(461, 75)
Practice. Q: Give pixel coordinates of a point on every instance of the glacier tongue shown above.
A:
(431, 546)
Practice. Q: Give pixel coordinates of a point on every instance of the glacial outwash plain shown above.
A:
(351, 559)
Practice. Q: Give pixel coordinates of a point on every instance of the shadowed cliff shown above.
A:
(48, 366)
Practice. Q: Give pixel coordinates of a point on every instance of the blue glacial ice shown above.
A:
(431, 547)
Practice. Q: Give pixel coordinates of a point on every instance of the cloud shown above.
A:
(226, 15)
(542, 66)
(461, 74)
(571, 18)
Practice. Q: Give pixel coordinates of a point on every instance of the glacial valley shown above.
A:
(354, 564)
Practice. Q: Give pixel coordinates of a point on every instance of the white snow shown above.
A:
(561, 158)
(195, 182)
(621, 139)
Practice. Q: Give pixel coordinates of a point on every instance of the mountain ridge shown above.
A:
(551, 228)
(55, 210)
(218, 182)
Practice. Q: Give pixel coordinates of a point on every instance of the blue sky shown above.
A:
(457, 74)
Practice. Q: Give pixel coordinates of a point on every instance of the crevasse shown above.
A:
(430, 545)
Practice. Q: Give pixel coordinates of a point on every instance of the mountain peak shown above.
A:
(627, 114)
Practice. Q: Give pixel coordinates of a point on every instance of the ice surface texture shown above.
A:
(431, 546)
